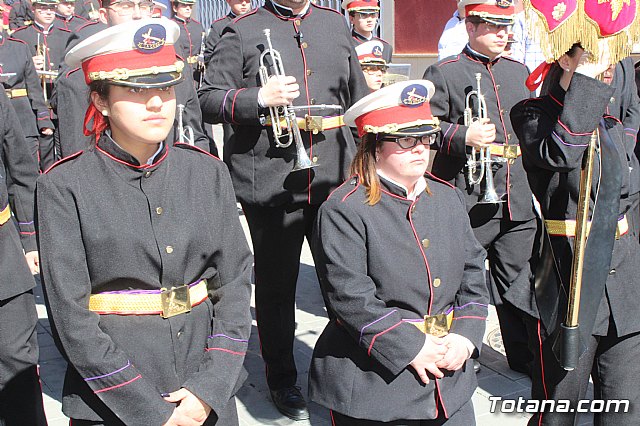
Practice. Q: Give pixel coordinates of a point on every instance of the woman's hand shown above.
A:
(33, 260)
(433, 351)
(191, 410)
(457, 353)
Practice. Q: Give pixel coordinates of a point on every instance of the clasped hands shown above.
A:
(191, 410)
(440, 353)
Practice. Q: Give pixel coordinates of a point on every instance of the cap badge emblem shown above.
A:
(414, 95)
(150, 38)
(377, 51)
(504, 4)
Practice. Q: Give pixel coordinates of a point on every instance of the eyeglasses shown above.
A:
(124, 8)
(409, 142)
(372, 69)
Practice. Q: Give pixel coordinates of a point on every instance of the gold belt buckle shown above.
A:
(510, 153)
(175, 301)
(313, 123)
(436, 325)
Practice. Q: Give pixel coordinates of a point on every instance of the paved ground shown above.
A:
(254, 405)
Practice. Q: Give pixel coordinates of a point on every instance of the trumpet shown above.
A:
(185, 133)
(285, 114)
(485, 160)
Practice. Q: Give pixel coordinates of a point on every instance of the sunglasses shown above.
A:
(409, 142)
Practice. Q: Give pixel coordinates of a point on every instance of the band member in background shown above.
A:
(281, 204)
(507, 228)
(151, 336)
(88, 9)
(24, 88)
(373, 66)
(391, 267)
(191, 33)
(236, 8)
(363, 16)
(554, 131)
(47, 43)
(66, 17)
(71, 98)
(20, 392)
(21, 14)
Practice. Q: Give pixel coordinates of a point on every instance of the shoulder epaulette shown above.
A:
(16, 39)
(353, 180)
(86, 24)
(194, 148)
(63, 160)
(71, 72)
(437, 179)
(326, 8)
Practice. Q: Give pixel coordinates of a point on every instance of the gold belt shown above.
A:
(15, 93)
(436, 325)
(167, 302)
(192, 59)
(506, 151)
(314, 123)
(5, 215)
(567, 228)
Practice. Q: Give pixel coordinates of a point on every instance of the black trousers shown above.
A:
(612, 363)
(277, 234)
(509, 248)
(463, 417)
(20, 391)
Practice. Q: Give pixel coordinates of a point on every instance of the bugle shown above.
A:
(490, 196)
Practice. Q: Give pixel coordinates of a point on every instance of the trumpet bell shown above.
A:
(490, 196)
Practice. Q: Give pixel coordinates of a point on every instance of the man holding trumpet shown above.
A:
(498, 196)
(318, 67)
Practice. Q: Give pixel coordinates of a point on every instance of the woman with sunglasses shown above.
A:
(145, 266)
(402, 275)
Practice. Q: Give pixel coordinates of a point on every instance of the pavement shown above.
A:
(254, 404)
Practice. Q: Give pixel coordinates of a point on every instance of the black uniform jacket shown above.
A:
(554, 131)
(87, 8)
(71, 100)
(190, 40)
(387, 49)
(54, 39)
(381, 267)
(215, 32)
(502, 85)
(15, 57)
(70, 23)
(317, 51)
(18, 173)
(20, 15)
(109, 224)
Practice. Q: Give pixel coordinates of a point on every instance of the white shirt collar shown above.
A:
(418, 188)
(302, 12)
(150, 160)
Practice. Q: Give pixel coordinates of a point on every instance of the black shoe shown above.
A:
(476, 366)
(290, 402)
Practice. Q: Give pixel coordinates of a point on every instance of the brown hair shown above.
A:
(364, 165)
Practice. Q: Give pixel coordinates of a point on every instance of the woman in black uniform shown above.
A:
(554, 132)
(402, 275)
(145, 266)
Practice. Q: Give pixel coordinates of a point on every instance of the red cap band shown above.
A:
(494, 10)
(385, 116)
(131, 60)
(363, 4)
